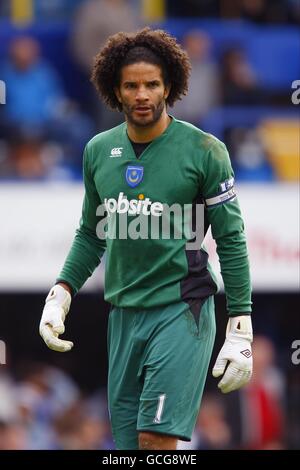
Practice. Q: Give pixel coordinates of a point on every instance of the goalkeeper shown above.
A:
(162, 324)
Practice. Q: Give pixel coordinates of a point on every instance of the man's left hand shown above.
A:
(237, 351)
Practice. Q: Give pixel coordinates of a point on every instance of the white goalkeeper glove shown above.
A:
(56, 308)
(236, 350)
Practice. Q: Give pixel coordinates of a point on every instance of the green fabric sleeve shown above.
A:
(228, 231)
(87, 249)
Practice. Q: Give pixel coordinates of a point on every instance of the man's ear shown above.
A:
(118, 95)
(167, 91)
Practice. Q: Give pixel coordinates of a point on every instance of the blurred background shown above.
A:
(245, 89)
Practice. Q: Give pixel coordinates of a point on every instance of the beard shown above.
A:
(144, 121)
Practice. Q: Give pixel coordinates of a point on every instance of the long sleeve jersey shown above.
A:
(184, 167)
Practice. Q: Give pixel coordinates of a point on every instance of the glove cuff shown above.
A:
(240, 326)
(59, 296)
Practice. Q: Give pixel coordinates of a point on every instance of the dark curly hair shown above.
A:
(126, 48)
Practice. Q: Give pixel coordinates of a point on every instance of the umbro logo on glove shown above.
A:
(246, 353)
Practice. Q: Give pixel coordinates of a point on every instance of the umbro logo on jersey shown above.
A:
(116, 152)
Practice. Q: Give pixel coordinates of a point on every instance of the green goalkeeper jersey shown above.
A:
(183, 166)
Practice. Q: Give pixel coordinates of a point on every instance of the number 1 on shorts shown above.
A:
(160, 407)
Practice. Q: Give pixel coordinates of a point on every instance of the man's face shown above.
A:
(142, 93)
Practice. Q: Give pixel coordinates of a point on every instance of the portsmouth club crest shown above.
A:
(134, 175)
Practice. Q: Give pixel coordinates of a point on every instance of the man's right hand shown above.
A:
(52, 322)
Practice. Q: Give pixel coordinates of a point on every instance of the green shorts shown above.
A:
(158, 362)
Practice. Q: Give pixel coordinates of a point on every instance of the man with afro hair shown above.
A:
(161, 323)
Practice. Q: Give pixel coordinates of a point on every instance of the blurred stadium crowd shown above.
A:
(243, 66)
(41, 407)
(44, 409)
(245, 56)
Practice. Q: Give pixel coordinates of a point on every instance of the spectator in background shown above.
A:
(42, 394)
(249, 156)
(212, 430)
(12, 434)
(264, 11)
(34, 89)
(38, 111)
(44, 409)
(212, 427)
(77, 429)
(239, 83)
(256, 412)
(257, 11)
(251, 418)
(204, 87)
(94, 22)
(264, 399)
